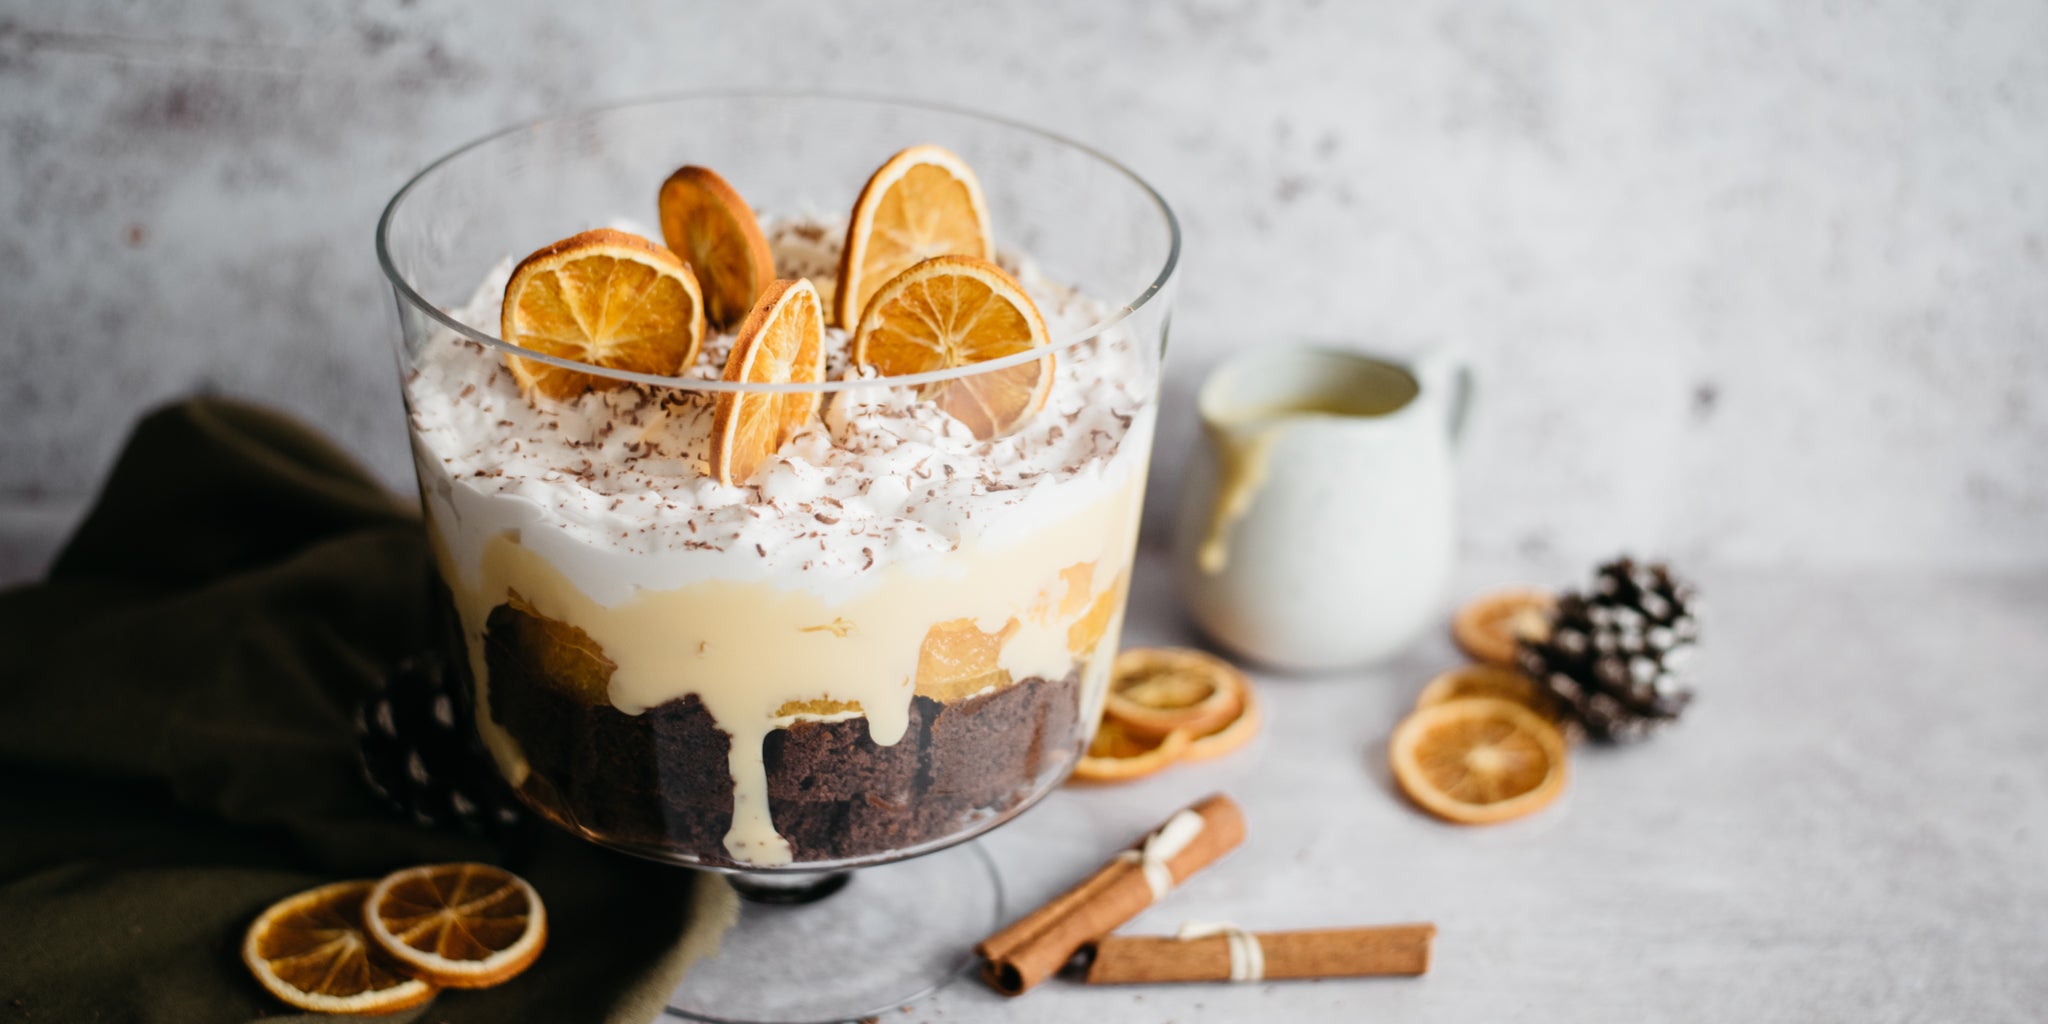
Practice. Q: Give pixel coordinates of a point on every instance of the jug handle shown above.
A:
(1461, 405)
(1443, 370)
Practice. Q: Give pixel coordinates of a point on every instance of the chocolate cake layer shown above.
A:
(660, 780)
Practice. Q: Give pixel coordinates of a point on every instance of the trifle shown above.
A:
(789, 539)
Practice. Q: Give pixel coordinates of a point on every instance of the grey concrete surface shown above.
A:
(1747, 282)
(1849, 825)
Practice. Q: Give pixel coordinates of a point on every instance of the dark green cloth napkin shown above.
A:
(176, 747)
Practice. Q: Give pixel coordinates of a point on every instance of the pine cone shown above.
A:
(419, 752)
(1615, 656)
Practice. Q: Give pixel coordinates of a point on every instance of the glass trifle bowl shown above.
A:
(891, 635)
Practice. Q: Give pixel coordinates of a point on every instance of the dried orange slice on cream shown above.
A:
(459, 925)
(922, 202)
(1153, 691)
(782, 341)
(955, 311)
(604, 297)
(1490, 627)
(1478, 760)
(311, 951)
(704, 221)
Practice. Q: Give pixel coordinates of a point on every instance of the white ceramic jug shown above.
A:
(1318, 531)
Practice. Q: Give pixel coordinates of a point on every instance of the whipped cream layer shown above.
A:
(884, 553)
(621, 477)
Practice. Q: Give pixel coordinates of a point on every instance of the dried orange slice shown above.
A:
(1230, 735)
(603, 297)
(459, 925)
(1153, 691)
(1486, 681)
(1491, 626)
(1478, 760)
(310, 950)
(782, 341)
(954, 311)
(704, 220)
(1116, 755)
(922, 202)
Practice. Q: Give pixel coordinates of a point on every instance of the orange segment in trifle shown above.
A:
(959, 658)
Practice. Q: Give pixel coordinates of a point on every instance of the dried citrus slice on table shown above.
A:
(1485, 681)
(922, 202)
(704, 221)
(1478, 760)
(1229, 736)
(955, 311)
(1118, 755)
(1166, 705)
(1492, 625)
(1154, 691)
(604, 297)
(311, 951)
(782, 341)
(458, 925)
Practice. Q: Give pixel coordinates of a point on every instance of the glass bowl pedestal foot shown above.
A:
(841, 946)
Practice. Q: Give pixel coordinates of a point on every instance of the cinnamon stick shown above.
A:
(1271, 956)
(1040, 943)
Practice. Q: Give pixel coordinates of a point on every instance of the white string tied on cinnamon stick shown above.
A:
(1162, 846)
(1247, 957)
(1036, 946)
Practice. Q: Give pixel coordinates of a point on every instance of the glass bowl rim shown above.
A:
(411, 296)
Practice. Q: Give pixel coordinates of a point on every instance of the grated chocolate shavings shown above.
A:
(853, 457)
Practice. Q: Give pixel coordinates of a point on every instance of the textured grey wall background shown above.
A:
(1745, 282)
